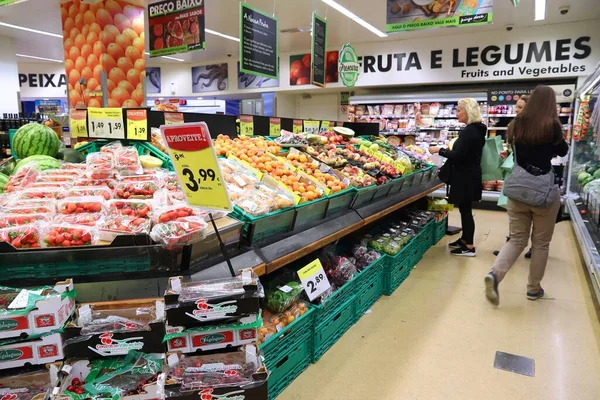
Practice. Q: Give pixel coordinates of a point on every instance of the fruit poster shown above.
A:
(406, 15)
(153, 80)
(176, 26)
(104, 39)
(300, 68)
(209, 78)
(251, 81)
(319, 45)
(258, 42)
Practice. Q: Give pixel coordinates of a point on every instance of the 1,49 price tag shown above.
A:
(195, 161)
(314, 280)
(106, 123)
(137, 124)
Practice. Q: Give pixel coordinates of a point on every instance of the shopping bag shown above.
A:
(508, 164)
(503, 200)
(490, 159)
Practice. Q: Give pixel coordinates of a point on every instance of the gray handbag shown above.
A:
(535, 190)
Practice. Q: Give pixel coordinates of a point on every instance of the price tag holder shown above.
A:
(106, 123)
(246, 125)
(137, 124)
(324, 127)
(173, 118)
(274, 126)
(314, 280)
(311, 126)
(297, 127)
(78, 123)
(197, 166)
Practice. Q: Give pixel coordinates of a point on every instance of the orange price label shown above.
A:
(137, 124)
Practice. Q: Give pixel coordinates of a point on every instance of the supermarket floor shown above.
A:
(436, 336)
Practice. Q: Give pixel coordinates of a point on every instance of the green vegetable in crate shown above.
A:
(41, 161)
(281, 298)
(35, 139)
(392, 247)
(377, 244)
(3, 182)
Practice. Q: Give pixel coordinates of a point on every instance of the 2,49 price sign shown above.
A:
(314, 280)
(195, 161)
(106, 123)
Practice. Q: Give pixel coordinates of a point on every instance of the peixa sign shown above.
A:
(549, 52)
(42, 80)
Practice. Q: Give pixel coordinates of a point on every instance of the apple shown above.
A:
(306, 60)
(298, 70)
(303, 81)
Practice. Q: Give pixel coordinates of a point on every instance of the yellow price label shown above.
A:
(400, 167)
(106, 123)
(77, 123)
(311, 126)
(246, 125)
(297, 127)
(195, 161)
(274, 126)
(314, 279)
(137, 124)
(324, 127)
(173, 118)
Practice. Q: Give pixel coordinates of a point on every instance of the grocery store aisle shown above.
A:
(436, 336)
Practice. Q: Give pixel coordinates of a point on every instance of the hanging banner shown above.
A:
(423, 14)
(301, 66)
(176, 27)
(317, 51)
(348, 65)
(258, 42)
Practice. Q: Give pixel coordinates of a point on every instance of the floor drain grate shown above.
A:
(513, 363)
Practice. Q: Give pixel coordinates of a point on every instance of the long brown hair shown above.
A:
(536, 123)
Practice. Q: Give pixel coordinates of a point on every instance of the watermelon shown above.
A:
(3, 182)
(42, 162)
(8, 166)
(35, 139)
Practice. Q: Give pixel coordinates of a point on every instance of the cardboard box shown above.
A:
(106, 344)
(42, 350)
(211, 338)
(35, 384)
(243, 301)
(47, 315)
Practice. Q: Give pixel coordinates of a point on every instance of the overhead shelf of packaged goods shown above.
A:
(399, 133)
(434, 128)
(422, 116)
(514, 115)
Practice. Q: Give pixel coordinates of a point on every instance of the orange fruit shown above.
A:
(64, 14)
(96, 28)
(138, 25)
(91, 38)
(127, 86)
(120, 95)
(115, 50)
(98, 72)
(138, 96)
(133, 76)
(92, 83)
(74, 53)
(79, 21)
(142, 74)
(69, 65)
(132, 53)
(123, 40)
(113, 30)
(104, 18)
(96, 6)
(140, 64)
(73, 34)
(79, 40)
(124, 64)
(117, 75)
(83, 8)
(110, 86)
(84, 30)
(86, 73)
(73, 10)
(68, 24)
(86, 50)
(142, 36)
(106, 38)
(99, 49)
(113, 103)
(113, 7)
(92, 61)
(74, 77)
(74, 98)
(122, 22)
(130, 33)
(68, 43)
(89, 17)
(138, 43)
(94, 102)
(132, 12)
(130, 103)
(108, 62)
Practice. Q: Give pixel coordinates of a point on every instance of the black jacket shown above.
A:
(465, 158)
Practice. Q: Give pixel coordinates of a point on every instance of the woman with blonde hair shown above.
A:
(465, 172)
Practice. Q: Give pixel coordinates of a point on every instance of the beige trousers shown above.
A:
(521, 217)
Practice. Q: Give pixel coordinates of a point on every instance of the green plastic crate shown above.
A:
(91, 147)
(428, 173)
(382, 191)
(364, 196)
(264, 226)
(398, 267)
(310, 212)
(329, 331)
(340, 202)
(289, 337)
(284, 371)
(439, 230)
(370, 288)
(408, 181)
(425, 238)
(331, 304)
(146, 148)
(397, 185)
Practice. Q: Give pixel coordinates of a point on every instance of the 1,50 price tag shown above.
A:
(106, 123)
(137, 124)
(195, 161)
(314, 280)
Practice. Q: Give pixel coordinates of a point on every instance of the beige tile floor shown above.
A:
(436, 336)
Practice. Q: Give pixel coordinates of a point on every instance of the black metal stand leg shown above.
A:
(223, 249)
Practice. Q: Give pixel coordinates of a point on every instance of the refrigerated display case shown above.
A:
(583, 200)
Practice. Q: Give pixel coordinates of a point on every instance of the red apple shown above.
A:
(303, 81)
(298, 70)
(306, 60)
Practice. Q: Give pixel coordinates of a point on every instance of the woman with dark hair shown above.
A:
(536, 136)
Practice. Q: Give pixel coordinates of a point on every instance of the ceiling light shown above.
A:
(355, 18)
(222, 35)
(167, 57)
(199, 98)
(22, 28)
(540, 10)
(40, 58)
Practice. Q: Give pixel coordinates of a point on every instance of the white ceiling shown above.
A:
(223, 16)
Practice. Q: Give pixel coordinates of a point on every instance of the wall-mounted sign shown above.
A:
(423, 14)
(42, 80)
(176, 26)
(317, 51)
(152, 79)
(251, 81)
(209, 78)
(348, 65)
(258, 42)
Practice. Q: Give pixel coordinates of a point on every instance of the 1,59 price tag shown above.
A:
(106, 123)
(314, 280)
(195, 161)
(77, 124)
(137, 124)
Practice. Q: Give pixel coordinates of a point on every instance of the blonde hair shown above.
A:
(471, 107)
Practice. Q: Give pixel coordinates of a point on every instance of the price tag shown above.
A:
(324, 127)
(297, 127)
(137, 124)
(311, 126)
(77, 124)
(313, 279)
(246, 125)
(195, 161)
(274, 126)
(106, 123)
(173, 118)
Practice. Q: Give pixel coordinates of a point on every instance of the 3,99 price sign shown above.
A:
(314, 280)
(195, 161)
(106, 123)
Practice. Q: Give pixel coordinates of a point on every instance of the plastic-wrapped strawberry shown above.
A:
(170, 182)
(41, 193)
(9, 220)
(79, 191)
(109, 183)
(66, 235)
(140, 190)
(127, 161)
(133, 208)
(179, 232)
(118, 225)
(171, 213)
(21, 179)
(21, 237)
(89, 219)
(100, 166)
(82, 205)
(39, 206)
